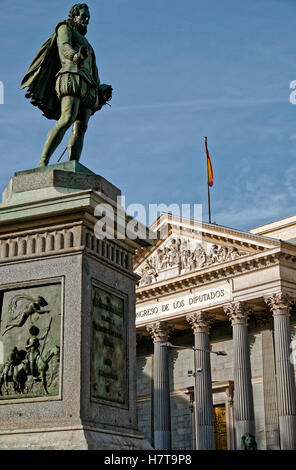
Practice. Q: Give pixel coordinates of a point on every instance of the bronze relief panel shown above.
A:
(30, 331)
(108, 361)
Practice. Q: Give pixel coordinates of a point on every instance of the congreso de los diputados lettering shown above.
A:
(216, 336)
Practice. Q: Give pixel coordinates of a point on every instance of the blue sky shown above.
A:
(180, 71)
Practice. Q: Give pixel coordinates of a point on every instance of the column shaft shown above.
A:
(243, 393)
(243, 405)
(162, 414)
(161, 390)
(200, 322)
(269, 390)
(204, 392)
(280, 303)
(285, 383)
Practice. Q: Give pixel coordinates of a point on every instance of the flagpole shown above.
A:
(209, 195)
(209, 204)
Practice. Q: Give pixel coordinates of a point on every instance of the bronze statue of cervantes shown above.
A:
(63, 81)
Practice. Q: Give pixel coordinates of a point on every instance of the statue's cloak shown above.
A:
(41, 78)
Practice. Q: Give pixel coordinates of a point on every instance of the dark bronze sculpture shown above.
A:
(30, 342)
(248, 442)
(22, 365)
(63, 81)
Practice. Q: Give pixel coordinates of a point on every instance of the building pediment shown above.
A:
(187, 246)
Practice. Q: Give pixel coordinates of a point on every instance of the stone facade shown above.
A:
(250, 299)
(181, 362)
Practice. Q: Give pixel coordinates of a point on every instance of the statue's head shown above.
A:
(41, 301)
(248, 442)
(34, 331)
(79, 16)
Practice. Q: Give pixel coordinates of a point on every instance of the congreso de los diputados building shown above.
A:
(216, 325)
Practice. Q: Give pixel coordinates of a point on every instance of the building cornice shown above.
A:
(211, 228)
(210, 274)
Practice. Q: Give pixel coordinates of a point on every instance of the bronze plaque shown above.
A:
(30, 341)
(108, 364)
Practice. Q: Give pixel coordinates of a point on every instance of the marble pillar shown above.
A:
(200, 323)
(162, 411)
(280, 304)
(238, 313)
(270, 395)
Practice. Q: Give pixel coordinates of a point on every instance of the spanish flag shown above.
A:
(209, 165)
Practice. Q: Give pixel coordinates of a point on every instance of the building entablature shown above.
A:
(212, 274)
(175, 292)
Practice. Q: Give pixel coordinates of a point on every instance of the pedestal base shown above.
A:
(71, 439)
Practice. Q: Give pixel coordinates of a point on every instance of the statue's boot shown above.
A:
(54, 138)
(72, 155)
(43, 161)
(75, 144)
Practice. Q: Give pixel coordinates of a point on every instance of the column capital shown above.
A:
(238, 312)
(160, 331)
(280, 303)
(200, 321)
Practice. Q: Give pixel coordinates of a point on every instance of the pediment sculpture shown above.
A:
(183, 255)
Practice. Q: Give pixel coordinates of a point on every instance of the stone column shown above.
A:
(200, 323)
(271, 417)
(238, 313)
(280, 305)
(162, 411)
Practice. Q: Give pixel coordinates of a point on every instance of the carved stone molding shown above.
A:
(201, 277)
(201, 321)
(280, 303)
(53, 241)
(238, 312)
(160, 331)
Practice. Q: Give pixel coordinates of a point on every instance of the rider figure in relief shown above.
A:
(32, 348)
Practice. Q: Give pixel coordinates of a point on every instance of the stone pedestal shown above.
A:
(67, 303)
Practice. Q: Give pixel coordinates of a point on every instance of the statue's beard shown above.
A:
(82, 29)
